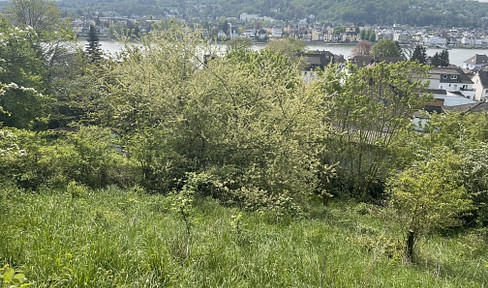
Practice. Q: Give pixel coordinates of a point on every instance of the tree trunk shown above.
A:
(410, 245)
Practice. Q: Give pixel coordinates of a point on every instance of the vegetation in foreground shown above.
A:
(176, 165)
(126, 238)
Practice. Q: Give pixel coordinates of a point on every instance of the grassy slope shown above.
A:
(122, 239)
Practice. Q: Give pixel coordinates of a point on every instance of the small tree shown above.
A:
(441, 59)
(430, 196)
(93, 47)
(363, 48)
(419, 54)
(241, 41)
(41, 15)
(362, 34)
(372, 36)
(369, 112)
(385, 48)
(444, 58)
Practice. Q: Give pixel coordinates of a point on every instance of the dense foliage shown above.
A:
(241, 131)
(454, 13)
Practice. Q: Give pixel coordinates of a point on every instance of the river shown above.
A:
(457, 56)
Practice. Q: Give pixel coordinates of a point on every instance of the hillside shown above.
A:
(115, 238)
(413, 12)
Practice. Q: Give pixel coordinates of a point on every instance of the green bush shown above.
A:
(91, 156)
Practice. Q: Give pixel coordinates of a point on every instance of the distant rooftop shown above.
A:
(477, 60)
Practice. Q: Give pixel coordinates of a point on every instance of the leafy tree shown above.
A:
(419, 54)
(363, 48)
(466, 135)
(430, 195)
(241, 41)
(385, 48)
(372, 36)
(243, 119)
(25, 75)
(339, 29)
(369, 112)
(289, 47)
(41, 15)
(368, 34)
(362, 34)
(78, 94)
(436, 59)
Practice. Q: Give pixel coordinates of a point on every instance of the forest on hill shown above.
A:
(452, 13)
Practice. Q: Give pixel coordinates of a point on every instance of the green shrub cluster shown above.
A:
(89, 155)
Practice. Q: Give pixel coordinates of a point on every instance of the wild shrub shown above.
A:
(430, 196)
(244, 118)
(91, 156)
(368, 112)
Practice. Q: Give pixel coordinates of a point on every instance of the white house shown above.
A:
(451, 79)
(248, 17)
(435, 41)
(277, 32)
(481, 85)
(251, 34)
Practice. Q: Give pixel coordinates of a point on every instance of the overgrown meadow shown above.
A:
(172, 164)
(117, 238)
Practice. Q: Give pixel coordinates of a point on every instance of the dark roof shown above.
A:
(470, 107)
(451, 70)
(320, 59)
(481, 107)
(361, 61)
(483, 74)
(435, 106)
(477, 60)
(436, 91)
(463, 78)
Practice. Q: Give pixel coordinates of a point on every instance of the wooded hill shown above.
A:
(451, 13)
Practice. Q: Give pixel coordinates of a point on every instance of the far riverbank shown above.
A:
(457, 56)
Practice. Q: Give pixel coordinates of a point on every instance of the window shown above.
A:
(454, 76)
(444, 76)
(455, 86)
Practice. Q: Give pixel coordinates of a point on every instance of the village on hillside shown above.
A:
(263, 28)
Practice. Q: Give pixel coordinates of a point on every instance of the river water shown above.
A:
(457, 56)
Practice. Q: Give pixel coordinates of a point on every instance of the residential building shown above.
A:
(476, 62)
(451, 79)
(481, 85)
(277, 32)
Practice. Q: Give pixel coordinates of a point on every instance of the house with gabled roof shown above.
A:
(451, 79)
(476, 62)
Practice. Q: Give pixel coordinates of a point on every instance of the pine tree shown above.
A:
(372, 36)
(444, 58)
(419, 54)
(436, 60)
(93, 47)
(363, 34)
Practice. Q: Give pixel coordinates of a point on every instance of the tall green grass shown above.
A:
(115, 238)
